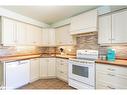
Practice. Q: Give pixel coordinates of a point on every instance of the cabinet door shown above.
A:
(30, 35)
(21, 30)
(84, 22)
(62, 69)
(45, 37)
(58, 36)
(8, 32)
(34, 69)
(63, 36)
(104, 29)
(52, 67)
(43, 67)
(119, 27)
(51, 37)
(38, 36)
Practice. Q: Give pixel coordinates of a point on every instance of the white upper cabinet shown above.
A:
(113, 28)
(104, 29)
(45, 37)
(8, 31)
(52, 39)
(37, 33)
(63, 36)
(86, 22)
(119, 27)
(21, 29)
(48, 37)
(18, 33)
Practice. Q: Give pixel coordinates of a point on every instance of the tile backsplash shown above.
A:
(19, 50)
(87, 41)
(67, 50)
(121, 50)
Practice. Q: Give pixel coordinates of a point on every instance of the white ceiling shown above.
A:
(49, 14)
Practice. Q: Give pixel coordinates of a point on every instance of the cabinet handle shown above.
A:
(110, 74)
(20, 63)
(110, 87)
(113, 39)
(111, 69)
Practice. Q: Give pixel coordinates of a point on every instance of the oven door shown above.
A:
(82, 72)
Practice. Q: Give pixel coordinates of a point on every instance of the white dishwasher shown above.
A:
(17, 74)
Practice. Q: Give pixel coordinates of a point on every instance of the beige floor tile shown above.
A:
(47, 84)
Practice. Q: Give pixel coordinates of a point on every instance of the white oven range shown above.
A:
(82, 70)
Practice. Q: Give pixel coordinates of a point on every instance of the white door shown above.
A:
(119, 27)
(104, 29)
(8, 32)
(34, 69)
(43, 67)
(52, 67)
(21, 30)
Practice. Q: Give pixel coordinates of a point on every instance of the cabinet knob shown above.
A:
(113, 39)
(111, 69)
(110, 74)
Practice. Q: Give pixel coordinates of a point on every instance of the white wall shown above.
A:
(19, 17)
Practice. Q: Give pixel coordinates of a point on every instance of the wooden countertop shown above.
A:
(65, 56)
(20, 57)
(116, 62)
(29, 56)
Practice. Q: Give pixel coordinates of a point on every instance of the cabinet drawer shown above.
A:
(112, 69)
(116, 80)
(62, 75)
(62, 68)
(104, 85)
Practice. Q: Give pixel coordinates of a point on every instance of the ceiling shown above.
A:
(49, 14)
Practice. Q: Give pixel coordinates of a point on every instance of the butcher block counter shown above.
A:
(30, 56)
(116, 62)
(19, 57)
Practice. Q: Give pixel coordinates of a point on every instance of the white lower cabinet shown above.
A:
(62, 69)
(47, 67)
(34, 69)
(111, 77)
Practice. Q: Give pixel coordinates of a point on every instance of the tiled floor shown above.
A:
(47, 84)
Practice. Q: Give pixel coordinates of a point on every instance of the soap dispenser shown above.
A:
(111, 54)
